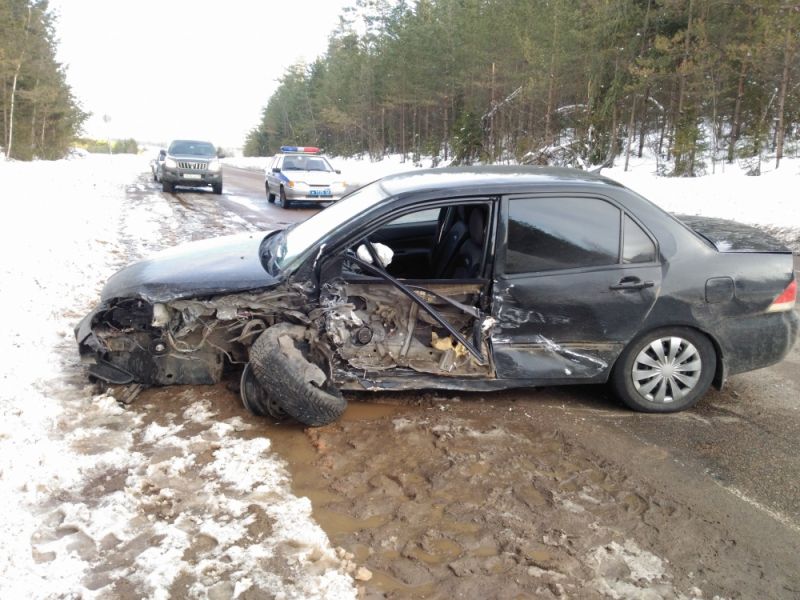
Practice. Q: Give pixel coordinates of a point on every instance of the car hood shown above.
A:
(312, 177)
(732, 236)
(221, 265)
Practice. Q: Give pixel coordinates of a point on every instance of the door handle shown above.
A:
(632, 283)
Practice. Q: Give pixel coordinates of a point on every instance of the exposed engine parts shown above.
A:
(293, 356)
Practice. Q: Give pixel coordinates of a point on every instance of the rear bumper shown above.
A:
(758, 341)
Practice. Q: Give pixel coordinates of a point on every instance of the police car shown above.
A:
(301, 173)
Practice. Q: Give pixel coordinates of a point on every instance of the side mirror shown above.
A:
(338, 171)
(276, 169)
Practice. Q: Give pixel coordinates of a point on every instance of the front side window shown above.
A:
(547, 234)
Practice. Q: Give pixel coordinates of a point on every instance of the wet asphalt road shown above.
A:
(741, 443)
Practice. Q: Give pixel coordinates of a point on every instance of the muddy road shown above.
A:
(547, 493)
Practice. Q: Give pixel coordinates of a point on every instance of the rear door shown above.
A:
(575, 277)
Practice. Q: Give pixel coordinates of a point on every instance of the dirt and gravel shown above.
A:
(514, 495)
(552, 493)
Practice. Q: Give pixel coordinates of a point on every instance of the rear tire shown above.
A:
(283, 200)
(298, 386)
(167, 187)
(665, 370)
(270, 196)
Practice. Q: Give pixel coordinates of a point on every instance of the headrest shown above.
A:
(477, 225)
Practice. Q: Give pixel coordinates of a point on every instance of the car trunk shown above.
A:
(730, 236)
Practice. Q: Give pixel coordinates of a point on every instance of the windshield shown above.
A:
(306, 163)
(283, 250)
(192, 148)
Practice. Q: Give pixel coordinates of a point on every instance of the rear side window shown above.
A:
(546, 234)
(637, 246)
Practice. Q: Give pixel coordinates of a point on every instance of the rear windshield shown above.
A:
(192, 148)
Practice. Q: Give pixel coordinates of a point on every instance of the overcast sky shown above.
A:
(173, 68)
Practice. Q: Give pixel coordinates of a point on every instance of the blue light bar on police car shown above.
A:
(304, 149)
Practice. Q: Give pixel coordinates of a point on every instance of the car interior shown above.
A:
(440, 243)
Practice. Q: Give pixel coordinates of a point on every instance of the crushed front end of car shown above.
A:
(187, 314)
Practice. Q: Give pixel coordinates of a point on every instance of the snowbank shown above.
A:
(770, 199)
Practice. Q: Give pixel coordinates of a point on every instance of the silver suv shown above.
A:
(300, 173)
(191, 163)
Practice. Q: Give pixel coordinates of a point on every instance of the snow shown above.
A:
(93, 496)
(80, 475)
(770, 199)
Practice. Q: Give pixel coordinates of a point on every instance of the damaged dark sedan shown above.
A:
(478, 278)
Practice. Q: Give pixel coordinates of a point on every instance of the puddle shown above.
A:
(301, 451)
(388, 584)
(367, 411)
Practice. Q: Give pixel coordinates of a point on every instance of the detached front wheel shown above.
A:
(666, 370)
(281, 363)
(258, 400)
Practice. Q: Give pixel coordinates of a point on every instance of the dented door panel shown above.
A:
(568, 325)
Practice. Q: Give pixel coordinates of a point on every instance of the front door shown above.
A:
(575, 278)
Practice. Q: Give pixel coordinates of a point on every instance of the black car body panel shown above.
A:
(483, 316)
(221, 265)
(732, 236)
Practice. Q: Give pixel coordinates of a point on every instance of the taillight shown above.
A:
(786, 300)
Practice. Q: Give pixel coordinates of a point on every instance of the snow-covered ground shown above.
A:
(67, 226)
(94, 497)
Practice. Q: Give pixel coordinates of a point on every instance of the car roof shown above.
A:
(301, 154)
(490, 178)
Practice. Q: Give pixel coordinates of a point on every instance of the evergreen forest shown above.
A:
(580, 83)
(40, 117)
